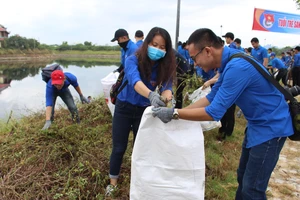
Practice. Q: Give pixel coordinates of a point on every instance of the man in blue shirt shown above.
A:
(259, 52)
(282, 69)
(229, 40)
(264, 107)
(238, 43)
(128, 47)
(139, 36)
(296, 67)
(58, 86)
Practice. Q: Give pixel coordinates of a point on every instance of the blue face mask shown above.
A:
(155, 53)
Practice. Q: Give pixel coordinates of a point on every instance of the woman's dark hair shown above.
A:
(166, 65)
(204, 37)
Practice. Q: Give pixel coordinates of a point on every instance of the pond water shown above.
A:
(22, 90)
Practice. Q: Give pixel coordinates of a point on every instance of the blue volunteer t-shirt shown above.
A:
(259, 53)
(132, 74)
(262, 104)
(232, 45)
(50, 89)
(205, 75)
(297, 60)
(240, 48)
(139, 43)
(130, 50)
(277, 63)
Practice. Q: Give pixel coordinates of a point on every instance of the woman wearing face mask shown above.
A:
(152, 66)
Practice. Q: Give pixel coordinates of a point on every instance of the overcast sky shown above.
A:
(74, 21)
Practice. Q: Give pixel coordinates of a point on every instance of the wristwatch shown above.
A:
(175, 114)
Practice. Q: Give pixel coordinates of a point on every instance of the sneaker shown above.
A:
(111, 190)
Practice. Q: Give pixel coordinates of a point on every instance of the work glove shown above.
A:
(155, 100)
(83, 99)
(164, 114)
(47, 125)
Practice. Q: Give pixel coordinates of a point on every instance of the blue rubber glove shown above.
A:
(47, 125)
(155, 100)
(163, 113)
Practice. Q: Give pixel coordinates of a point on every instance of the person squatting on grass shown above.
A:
(151, 67)
(58, 85)
(264, 107)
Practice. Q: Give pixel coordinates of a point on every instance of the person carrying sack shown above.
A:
(151, 66)
(263, 105)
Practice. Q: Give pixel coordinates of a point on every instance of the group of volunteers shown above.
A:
(151, 67)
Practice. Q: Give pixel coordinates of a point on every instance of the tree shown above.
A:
(298, 3)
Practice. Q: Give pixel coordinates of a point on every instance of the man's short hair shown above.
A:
(270, 49)
(254, 40)
(238, 40)
(297, 48)
(204, 37)
(139, 33)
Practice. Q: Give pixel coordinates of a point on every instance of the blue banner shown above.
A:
(273, 21)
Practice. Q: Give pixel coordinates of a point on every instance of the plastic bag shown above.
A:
(168, 160)
(107, 83)
(195, 96)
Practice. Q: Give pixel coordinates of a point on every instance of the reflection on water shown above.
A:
(22, 89)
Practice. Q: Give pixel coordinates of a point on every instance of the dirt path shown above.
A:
(285, 179)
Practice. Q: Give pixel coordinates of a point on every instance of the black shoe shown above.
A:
(221, 136)
(229, 134)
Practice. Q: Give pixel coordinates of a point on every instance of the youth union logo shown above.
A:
(268, 20)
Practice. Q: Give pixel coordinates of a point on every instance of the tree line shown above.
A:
(23, 43)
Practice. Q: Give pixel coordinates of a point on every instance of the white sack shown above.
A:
(107, 82)
(168, 160)
(195, 96)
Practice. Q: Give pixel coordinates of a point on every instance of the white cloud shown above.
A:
(55, 21)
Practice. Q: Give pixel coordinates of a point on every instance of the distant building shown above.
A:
(3, 34)
(4, 82)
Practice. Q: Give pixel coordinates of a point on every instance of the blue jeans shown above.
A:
(255, 168)
(127, 117)
(67, 98)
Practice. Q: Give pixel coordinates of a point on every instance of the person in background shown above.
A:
(270, 61)
(89, 98)
(127, 46)
(229, 40)
(139, 36)
(259, 52)
(280, 66)
(283, 57)
(238, 43)
(183, 72)
(296, 67)
(248, 50)
(264, 107)
(228, 120)
(152, 66)
(58, 85)
(289, 64)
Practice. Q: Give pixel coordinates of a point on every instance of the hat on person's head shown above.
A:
(57, 77)
(229, 35)
(139, 33)
(119, 33)
(273, 54)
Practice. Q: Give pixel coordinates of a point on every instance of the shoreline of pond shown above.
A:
(19, 57)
